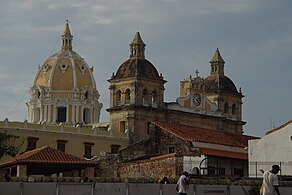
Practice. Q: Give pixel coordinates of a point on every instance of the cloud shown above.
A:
(254, 38)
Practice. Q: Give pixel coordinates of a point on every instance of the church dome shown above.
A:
(64, 89)
(216, 83)
(137, 68)
(65, 70)
(137, 65)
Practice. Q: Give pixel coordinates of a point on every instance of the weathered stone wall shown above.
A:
(155, 169)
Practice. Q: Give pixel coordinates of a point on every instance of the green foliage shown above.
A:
(8, 145)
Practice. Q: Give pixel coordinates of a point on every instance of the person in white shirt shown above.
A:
(183, 183)
(270, 181)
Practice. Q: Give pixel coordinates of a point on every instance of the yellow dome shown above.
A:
(65, 70)
(64, 89)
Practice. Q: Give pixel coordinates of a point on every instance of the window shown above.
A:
(171, 150)
(145, 97)
(226, 107)
(115, 148)
(127, 96)
(118, 97)
(145, 93)
(87, 116)
(211, 171)
(87, 149)
(38, 94)
(122, 126)
(222, 171)
(62, 114)
(233, 109)
(61, 145)
(238, 172)
(154, 96)
(86, 95)
(31, 143)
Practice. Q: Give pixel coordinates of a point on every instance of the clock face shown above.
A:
(196, 99)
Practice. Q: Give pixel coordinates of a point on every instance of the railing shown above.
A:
(256, 168)
(91, 188)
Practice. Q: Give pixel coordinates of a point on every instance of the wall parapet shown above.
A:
(95, 130)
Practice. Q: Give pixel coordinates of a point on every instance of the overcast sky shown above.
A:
(254, 38)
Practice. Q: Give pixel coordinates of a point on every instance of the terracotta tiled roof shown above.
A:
(222, 153)
(46, 155)
(163, 156)
(190, 133)
(280, 127)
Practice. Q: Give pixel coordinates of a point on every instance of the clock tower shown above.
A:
(216, 94)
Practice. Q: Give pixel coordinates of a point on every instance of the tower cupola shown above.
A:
(67, 38)
(137, 47)
(217, 64)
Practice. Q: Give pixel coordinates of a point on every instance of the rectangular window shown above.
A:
(238, 172)
(211, 171)
(122, 126)
(115, 148)
(88, 149)
(222, 171)
(171, 150)
(61, 145)
(61, 114)
(31, 143)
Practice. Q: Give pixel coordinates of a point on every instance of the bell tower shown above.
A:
(136, 93)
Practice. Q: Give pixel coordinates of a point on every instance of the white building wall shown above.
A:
(274, 148)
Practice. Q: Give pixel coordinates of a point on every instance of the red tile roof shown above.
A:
(190, 133)
(163, 156)
(280, 127)
(46, 155)
(222, 153)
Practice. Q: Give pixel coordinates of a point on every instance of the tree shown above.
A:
(8, 145)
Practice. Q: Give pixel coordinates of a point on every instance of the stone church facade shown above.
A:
(137, 97)
(64, 113)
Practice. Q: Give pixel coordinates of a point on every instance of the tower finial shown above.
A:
(67, 38)
(217, 63)
(197, 73)
(137, 47)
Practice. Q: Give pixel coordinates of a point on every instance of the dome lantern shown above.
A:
(67, 38)
(137, 47)
(217, 63)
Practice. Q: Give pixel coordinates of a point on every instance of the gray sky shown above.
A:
(254, 38)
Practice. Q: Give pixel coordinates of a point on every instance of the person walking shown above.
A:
(183, 183)
(270, 181)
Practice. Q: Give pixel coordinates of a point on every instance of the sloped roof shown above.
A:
(280, 127)
(217, 57)
(46, 155)
(163, 156)
(137, 68)
(223, 153)
(190, 133)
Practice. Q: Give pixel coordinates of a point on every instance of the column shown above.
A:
(67, 114)
(73, 114)
(93, 115)
(54, 113)
(82, 113)
(41, 114)
(49, 113)
(77, 113)
(45, 113)
(21, 171)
